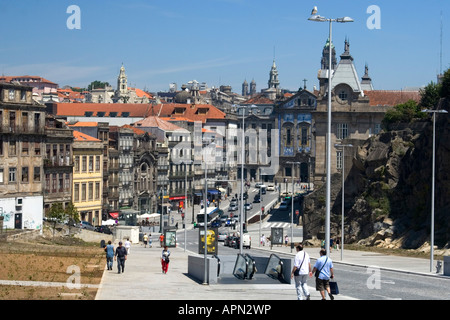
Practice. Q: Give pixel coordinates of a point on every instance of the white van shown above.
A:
(247, 241)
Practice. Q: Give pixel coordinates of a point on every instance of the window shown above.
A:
(77, 164)
(342, 131)
(97, 191)
(91, 191)
(12, 148)
(76, 192)
(37, 174)
(37, 148)
(1, 175)
(25, 148)
(11, 94)
(12, 174)
(12, 121)
(288, 137)
(97, 163)
(377, 128)
(83, 192)
(91, 163)
(23, 95)
(24, 174)
(304, 136)
(83, 163)
(67, 182)
(343, 95)
(47, 183)
(339, 160)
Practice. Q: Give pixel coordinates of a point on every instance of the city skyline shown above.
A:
(220, 42)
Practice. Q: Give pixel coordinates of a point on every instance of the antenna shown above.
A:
(440, 57)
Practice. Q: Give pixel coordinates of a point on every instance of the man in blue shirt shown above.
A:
(324, 268)
(109, 249)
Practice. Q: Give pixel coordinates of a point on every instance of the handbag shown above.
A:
(319, 271)
(334, 289)
(297, 272)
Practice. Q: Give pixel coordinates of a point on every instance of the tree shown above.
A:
(97, 84)
(430, 95)
(71, 213)
(445, 85)
(56, 214)
(405, 112)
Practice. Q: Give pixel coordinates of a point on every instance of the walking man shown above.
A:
(109, 249)
(121, 256)
(323, 270)
(300, 272)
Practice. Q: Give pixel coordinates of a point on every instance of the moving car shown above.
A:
(103, 229)
(233, 207)
(248, 206)
(222, 236)
(257, 198)
(270, 187)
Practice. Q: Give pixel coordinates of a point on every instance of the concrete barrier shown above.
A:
(196, 269)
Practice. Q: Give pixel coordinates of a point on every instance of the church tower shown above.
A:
(273, 77)
(253, 87)
(122, 85)
(324, 65)
(245, 88)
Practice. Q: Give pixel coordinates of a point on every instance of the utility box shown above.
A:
(446, 265)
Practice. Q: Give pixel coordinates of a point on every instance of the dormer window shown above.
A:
(202, 110)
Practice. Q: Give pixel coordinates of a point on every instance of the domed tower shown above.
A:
(245, 88)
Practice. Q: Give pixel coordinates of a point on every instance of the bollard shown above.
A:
(438, 266)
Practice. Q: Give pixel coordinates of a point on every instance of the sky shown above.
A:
(221, 42)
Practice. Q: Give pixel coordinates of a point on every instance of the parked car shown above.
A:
(258, 184)
(248, 206)
(103, 229)
(270, 187)
(283, 205)
(86, 225)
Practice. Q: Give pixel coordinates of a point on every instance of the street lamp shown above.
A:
(185, 201)
(343, 146)
(317, 18)
(432, 183)
(292, 203)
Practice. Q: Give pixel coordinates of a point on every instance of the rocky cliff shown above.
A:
(388, 190)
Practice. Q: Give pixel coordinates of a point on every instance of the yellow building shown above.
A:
(88, 177)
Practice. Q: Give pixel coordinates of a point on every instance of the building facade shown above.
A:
(88, 177)
(22, 137)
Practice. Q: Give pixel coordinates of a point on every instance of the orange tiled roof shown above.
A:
(157, 122)
(258, 99)
(135, 130)
(79, 136)
(84, 124)
(200, 112)
(390, 97)
(18, 78)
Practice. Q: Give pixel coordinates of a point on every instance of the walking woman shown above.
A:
(165, 259)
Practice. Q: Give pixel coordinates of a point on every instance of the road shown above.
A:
(357, 282)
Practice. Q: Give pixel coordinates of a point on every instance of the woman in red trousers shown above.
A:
(165, 259)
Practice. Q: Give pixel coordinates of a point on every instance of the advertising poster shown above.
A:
(211, 241)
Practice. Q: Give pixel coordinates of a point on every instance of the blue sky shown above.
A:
(220, 42)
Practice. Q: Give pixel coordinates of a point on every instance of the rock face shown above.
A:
(388, 190)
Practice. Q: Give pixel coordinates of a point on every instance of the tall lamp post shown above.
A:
(432, 184)
(185, 201)
(317, 18)
(292, 203)
(343, 146)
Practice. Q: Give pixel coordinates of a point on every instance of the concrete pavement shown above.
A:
(143, 278)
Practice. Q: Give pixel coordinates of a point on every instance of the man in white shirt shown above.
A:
(300, 272)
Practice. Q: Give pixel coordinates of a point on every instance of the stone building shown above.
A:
(58, 163)
(22, 134)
